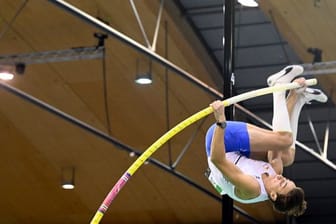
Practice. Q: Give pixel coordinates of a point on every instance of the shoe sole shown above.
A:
(322, 98)
(271, 81)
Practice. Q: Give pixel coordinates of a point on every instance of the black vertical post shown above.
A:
(227, 202)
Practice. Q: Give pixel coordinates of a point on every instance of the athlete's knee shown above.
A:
(285, 139)
(288, 162)
(288, 157)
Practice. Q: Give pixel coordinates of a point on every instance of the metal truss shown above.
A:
(79, 53)
(320, 68)
(153, 45)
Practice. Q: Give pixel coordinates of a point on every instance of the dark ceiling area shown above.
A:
(79, 63)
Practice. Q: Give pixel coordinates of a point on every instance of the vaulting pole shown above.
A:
(227, 202)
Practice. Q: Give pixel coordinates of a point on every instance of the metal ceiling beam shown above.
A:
(186, 147)
(275, 44)
(320, 68)
(142, 28)
(261, 45)
(253, 24)
(282, 64)
(137, 16)
(79, 53)
(216, 8)
(239, 25)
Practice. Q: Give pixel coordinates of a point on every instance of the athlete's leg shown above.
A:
(295, 102)
(280, 139)
(262, 140)
(294, 106)
(281, 121)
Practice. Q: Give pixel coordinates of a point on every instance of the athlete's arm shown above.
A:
(244, 183)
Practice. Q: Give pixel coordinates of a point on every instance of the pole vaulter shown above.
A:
(175, 130)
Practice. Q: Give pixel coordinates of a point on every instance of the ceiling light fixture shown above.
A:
(6, 75)
(248, 3)
(143, 78)
(68, 178)
(6, 72)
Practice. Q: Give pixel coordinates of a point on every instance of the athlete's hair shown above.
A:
(292, 203)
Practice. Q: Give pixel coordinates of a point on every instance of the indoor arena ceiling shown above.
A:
(77, 110)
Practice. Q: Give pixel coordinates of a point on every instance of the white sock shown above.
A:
(294, 117)
(280, 120)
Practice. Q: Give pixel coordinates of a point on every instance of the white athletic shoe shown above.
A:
(286, 75)
(311, 94)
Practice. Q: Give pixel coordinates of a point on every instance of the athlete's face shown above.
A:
(281, 185)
